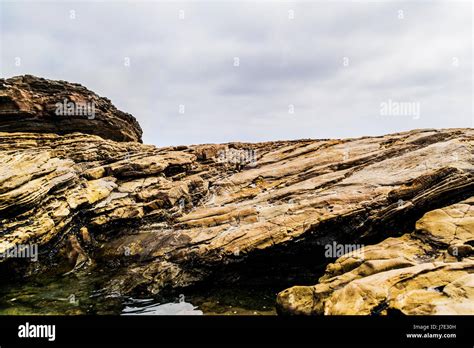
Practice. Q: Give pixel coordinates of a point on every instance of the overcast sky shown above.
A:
(253, 70)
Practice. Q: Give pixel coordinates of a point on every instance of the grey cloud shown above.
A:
(282, 62)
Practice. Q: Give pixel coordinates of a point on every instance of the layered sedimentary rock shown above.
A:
(32, 104)
(429, 271)
(160, 219)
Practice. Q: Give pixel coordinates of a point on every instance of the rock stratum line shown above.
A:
(91, 195)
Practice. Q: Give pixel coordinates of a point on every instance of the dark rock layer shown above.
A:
(33, 104)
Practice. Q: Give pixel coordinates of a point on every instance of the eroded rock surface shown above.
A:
(429, 271)
(165, 218)
(33, 104)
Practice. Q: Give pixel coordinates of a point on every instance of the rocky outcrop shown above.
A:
(32, 104)
(160, 219)
(429, 271)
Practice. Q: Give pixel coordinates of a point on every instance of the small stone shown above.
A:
(460, 250)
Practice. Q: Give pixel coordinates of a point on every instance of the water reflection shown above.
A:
(80, 294)
(147, 307)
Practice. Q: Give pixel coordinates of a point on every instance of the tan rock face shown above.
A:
(32, 104)
(173, 217)
(165, 218)
(429, 271)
